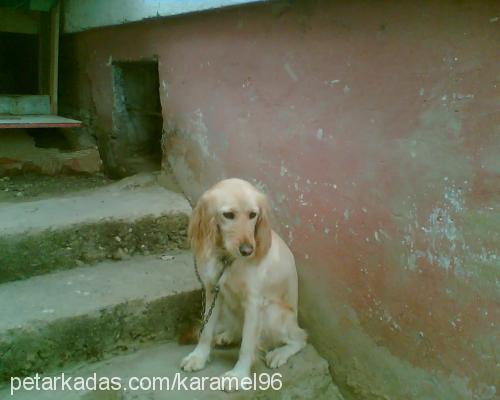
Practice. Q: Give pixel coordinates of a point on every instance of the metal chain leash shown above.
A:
(205, 316)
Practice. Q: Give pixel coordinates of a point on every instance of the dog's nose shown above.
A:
(246, 249)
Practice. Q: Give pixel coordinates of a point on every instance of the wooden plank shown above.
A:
(24, 104)
(19, 21)
(44, 54)
(54, 56)
(37, 121)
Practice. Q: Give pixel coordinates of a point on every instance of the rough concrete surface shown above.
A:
(305, 376)
(85, 313)
(132, 216)
(31, 186)
(115, 202)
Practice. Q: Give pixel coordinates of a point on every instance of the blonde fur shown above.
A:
(257, 304)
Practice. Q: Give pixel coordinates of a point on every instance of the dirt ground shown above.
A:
(31, 186)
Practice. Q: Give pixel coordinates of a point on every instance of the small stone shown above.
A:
(120, 254)
(91, 255)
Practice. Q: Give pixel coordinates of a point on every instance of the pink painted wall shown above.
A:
(374, 128)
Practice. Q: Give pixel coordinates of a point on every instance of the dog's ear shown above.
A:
(202, 231)
(263, 233)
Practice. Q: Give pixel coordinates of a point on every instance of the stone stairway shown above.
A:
(100, 282)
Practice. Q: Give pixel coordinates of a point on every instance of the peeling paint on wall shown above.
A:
(441, 240)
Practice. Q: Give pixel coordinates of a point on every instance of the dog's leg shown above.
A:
(249, 341)
(286, 330)
(197, 359)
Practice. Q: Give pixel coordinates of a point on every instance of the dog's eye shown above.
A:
(252, 215)
(228, 215)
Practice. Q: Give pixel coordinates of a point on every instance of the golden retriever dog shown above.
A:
(257, 301)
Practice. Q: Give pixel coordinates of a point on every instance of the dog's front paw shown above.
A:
(194, 361)
(277, 357)
(231, 380)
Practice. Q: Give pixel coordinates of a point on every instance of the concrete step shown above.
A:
(88, 313)
(305, 376)
(133, 216)
(37, 121)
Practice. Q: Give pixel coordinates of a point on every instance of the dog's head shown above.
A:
(232, 217)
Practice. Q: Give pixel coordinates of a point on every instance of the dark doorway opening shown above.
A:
(18, 63)
(137, 117)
